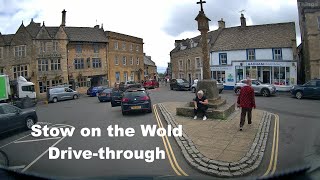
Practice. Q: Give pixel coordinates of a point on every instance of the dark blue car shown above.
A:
(105, 95)
(311, 89)
(136, 99)
(95, 90)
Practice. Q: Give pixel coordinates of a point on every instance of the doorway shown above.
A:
(266, 77)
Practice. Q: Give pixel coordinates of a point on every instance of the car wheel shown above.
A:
(299, 95)
(55, 100)
(238, 91)
(265, 93)
(29, 122)
(75, 96)
(193, 90)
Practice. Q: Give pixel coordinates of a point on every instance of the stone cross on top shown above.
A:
(201, 4)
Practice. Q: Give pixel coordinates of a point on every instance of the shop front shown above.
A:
(282, 74)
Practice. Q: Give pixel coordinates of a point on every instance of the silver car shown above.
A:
(220, 87)
(265, 90)
(61, 93)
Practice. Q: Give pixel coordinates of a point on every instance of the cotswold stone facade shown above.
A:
(78, 56)
(309, 18)
(125, 58)
(150, 68)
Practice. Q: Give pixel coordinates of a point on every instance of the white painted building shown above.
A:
(263, 52)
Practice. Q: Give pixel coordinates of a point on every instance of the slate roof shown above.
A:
(86, 34)
(33, 28)
(7, 38)
(148, 61)
(52, 31)
(258, 36)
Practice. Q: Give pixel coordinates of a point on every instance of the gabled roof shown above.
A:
(148, 61)
(7, 38)
(258, 36)
(52, 31)
(86, 34)
(33, 28)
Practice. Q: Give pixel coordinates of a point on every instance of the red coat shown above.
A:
(246, 98)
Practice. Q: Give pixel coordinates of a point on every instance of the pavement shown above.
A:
(217, 147)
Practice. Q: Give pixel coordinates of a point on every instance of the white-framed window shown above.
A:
(20, 70)
(116, 45)
(251, 55)
(96, 62)
(56, 82)
(116, 60)
(277, 54)
(55, 64)
(82, 81)
(1, 52)
(78, 48)
(137, 48)
(79, 63)
(43, 86)
(42, 48)
(125, 76)
(223, 58)
(124, 60)
(43, 65)
(123, 46)
(131, 60)
(198, 63)
(131, 47)
(1, 70)
(180, 65)
(96, 48)
(138, 61)
(55, 46)
(132, 76)
(20, 51)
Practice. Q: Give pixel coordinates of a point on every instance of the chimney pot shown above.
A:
(221, 24)
(243, 21)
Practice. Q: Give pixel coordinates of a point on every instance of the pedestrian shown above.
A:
(246, 101)
(200, 105)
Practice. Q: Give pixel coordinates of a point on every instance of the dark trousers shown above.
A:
(244, 112)
(202, 110)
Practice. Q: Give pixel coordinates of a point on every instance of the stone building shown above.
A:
(125, 58)
(150, 68)
(309, 19)
(265, 52)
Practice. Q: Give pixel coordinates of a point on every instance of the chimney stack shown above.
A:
(243, 21)
(63, 23)
(222, 24)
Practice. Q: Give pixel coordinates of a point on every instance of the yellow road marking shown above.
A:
(277, 144)
(274, 152)
(170, 148)
(174, 164)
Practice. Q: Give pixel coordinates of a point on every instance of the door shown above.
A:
(310, 89)
(68, 93)
(266, 77)
(13, 117)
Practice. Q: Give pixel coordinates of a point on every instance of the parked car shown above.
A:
(310, 89)
(179, 84)
(95, 90)
(135, 99)
(105, 95)
(220, 87)
(61, 93)
(123, 86)
(12, 117)
(260, 88)
(116, 96)
(151, 84)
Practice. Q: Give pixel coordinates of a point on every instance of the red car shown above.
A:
(151, 84)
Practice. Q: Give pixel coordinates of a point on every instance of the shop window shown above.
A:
(219, 76)
(251, 55)
(277, 54)
(223, 58)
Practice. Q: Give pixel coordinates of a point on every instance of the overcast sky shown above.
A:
(158, 22)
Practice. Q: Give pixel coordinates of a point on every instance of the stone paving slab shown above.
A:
(219, 143)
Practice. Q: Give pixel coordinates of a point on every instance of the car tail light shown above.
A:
(125, 100)
(145, 98)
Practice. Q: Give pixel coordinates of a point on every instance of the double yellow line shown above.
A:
(170, 154)
(274, 153)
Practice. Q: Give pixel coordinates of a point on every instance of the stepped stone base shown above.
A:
(212, 103)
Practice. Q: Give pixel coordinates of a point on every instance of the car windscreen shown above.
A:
(116, 93)
(107, 90)
(180, 81)
(134, 94)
